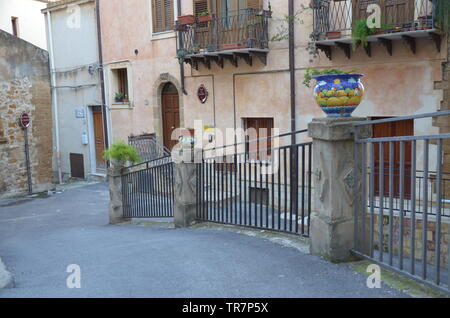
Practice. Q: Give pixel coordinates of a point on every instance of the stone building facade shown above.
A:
(24, 87)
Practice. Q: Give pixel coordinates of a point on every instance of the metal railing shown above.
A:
(405, 226)
(148, 192)
(267, 188)
(247, 28)
(148, 147)
(334, 19)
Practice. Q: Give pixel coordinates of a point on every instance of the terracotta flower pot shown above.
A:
(338, 94)
(186, 19)
(333, 35)
(204, 18)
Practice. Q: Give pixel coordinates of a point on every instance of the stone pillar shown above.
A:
(115, 193)
(332, 223)
(186, 160)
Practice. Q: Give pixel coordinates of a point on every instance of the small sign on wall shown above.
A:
(202, 94)
(79, 113)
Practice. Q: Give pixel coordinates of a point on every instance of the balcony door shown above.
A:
(395, 14)
(229, 25)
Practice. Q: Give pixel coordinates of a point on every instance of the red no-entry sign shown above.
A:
(25, 120)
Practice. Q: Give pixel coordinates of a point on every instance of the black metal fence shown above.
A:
(406, 225)
(337, 18)
(267, 188)
(148, 147)
(147, 189)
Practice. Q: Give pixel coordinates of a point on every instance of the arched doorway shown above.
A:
(170, 113)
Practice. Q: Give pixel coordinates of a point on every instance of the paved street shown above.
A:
(39, 238)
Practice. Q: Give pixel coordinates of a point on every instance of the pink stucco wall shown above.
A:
(395, 85)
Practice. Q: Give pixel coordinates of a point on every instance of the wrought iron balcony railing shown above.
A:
(243, 29)
(334, 19)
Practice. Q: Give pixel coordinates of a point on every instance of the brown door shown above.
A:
(99, 139)
(393, 12)
(170, 114)
(393, 129)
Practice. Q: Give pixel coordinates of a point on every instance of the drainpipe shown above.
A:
(292, 65)
(101, 74)
(180, 44)
(54, 96)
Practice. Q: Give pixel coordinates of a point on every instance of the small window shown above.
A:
(15, 25)
(262, 128)
(163, 15)
(120, 76)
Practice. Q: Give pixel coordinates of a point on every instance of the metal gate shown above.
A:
(147, 189)
(266, 188)
(403, 220)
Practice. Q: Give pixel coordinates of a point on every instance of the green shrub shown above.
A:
(121, 153)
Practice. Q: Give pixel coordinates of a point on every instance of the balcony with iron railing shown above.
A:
(407, 20)
(242, 34)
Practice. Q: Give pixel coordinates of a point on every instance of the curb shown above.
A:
(6, 278)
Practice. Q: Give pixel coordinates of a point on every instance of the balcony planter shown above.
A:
(204, 18)
(338, 94)
(186, 19)
(333, 35)
(231, 46)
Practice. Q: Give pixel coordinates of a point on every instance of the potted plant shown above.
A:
(121, 154)
(125, 98)
(360, 33)
(204, 16)
(118, 98)
(338, 93)
(186, 19)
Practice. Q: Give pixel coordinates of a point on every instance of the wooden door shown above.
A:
(393, 12)
(393, 129)
(170, 114)
(99, 139)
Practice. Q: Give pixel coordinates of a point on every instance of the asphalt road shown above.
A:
(40, 238)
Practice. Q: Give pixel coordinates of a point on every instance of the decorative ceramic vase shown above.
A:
(338, 94)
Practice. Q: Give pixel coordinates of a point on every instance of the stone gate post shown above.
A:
(186, 160)
(335, 196)
(115, 193)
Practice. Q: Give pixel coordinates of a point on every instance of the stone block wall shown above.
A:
(418, 243)
(24, 87)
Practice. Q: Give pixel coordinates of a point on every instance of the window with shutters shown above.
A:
(257, 128)
(120, 84)
(163, 15)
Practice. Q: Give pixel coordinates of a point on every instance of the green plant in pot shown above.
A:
(360, 33)
(204, 16)
(118, 97)
(121, 154)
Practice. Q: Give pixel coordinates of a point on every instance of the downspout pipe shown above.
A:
(54, 95)
(180, 44)
(101, 75)
(292, 66)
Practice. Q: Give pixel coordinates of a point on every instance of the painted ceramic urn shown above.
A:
(338, 94)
